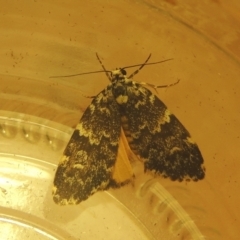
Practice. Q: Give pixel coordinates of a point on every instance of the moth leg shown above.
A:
(88, 96)
(161, 86)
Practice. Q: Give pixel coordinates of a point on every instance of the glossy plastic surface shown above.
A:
(37, 114)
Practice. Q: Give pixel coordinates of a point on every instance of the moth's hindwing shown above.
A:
(159, 138)
(88, 161)
(122, 172)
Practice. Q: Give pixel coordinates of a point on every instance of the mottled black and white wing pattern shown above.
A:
(152, 132)
(158, 137)
(88, 160)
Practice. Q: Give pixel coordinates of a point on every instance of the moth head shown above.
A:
(119, 73)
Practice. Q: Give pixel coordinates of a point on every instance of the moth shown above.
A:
(124, 110)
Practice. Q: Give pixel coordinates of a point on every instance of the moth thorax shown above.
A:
(121, 99)
(120, 93)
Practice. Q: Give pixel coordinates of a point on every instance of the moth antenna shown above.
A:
(106, 72)
(136, 72)
(136, 65)
(78, 74)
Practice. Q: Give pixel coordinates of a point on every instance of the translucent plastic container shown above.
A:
(38, 114)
